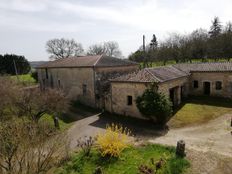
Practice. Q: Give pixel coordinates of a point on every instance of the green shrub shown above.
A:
(154, 105)
(35, 75)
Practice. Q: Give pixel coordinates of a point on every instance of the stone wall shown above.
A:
(212, 77)
(102, 83)
(177, 84)
(71, 81)
(120, 91)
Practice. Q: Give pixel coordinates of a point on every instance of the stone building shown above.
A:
(114, 84)
(125, 89)
(176, 81)
(84, 78)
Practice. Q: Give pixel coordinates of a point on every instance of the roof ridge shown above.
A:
(147, 70)
(98, 60)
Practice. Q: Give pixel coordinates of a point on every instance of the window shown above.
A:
(59, 83)
(195, 84)
(218, 85)
(129, 100)
(52, 84)
(46, 71)
(84, 88)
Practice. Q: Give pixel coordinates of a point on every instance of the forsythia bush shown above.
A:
(112, 142)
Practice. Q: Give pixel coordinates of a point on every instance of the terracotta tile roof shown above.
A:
(166, 73)
(159, 74)
(87, 61)
(139, 76)
(205, 67)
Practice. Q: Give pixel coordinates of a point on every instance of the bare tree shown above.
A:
(63, 48)
(110, 48)
(35, 103)
(96, 49)
(32, 103)
(27, 147)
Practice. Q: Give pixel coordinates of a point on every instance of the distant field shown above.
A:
(25, 80)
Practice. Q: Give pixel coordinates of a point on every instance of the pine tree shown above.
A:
(216, 28)
(154, 42)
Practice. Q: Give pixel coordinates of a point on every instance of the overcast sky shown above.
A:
(26, 25)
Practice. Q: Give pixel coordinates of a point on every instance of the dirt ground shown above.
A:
(209, 146)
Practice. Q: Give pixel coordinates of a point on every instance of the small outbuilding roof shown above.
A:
(159, 74)
(166, 73)
(87, 61)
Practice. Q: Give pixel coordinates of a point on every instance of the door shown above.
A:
(172, 95)
(182, 92)
(207, 88)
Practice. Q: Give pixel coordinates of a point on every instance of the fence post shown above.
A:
(180, 148)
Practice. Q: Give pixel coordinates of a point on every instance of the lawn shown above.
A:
(200, 110)
(25, 79)
(64, 122)
(131, 158)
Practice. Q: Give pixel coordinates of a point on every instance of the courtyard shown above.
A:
(203, 124)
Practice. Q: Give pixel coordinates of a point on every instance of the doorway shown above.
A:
(206, 88)
(173, 94)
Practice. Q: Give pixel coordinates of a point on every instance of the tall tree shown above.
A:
(154, 43)
(96, 49)
(110, 48)
(214, 42)
(63, 48)
(215, 28)
(199, 39)
(228, 27)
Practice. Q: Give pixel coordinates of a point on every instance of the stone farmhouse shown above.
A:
(114, 84)
(84, 78)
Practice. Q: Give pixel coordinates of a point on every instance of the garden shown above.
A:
(113, 152)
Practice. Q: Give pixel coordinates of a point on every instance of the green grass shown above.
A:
(25, 79)
(200, 110)
(64, 123)
(128, 163)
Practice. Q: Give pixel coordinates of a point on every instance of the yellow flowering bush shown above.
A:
(113, 141)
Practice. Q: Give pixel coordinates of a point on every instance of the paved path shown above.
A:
(82, 128)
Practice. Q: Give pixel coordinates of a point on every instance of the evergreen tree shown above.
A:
(7, 64)
(216, 28)
(154, 43)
